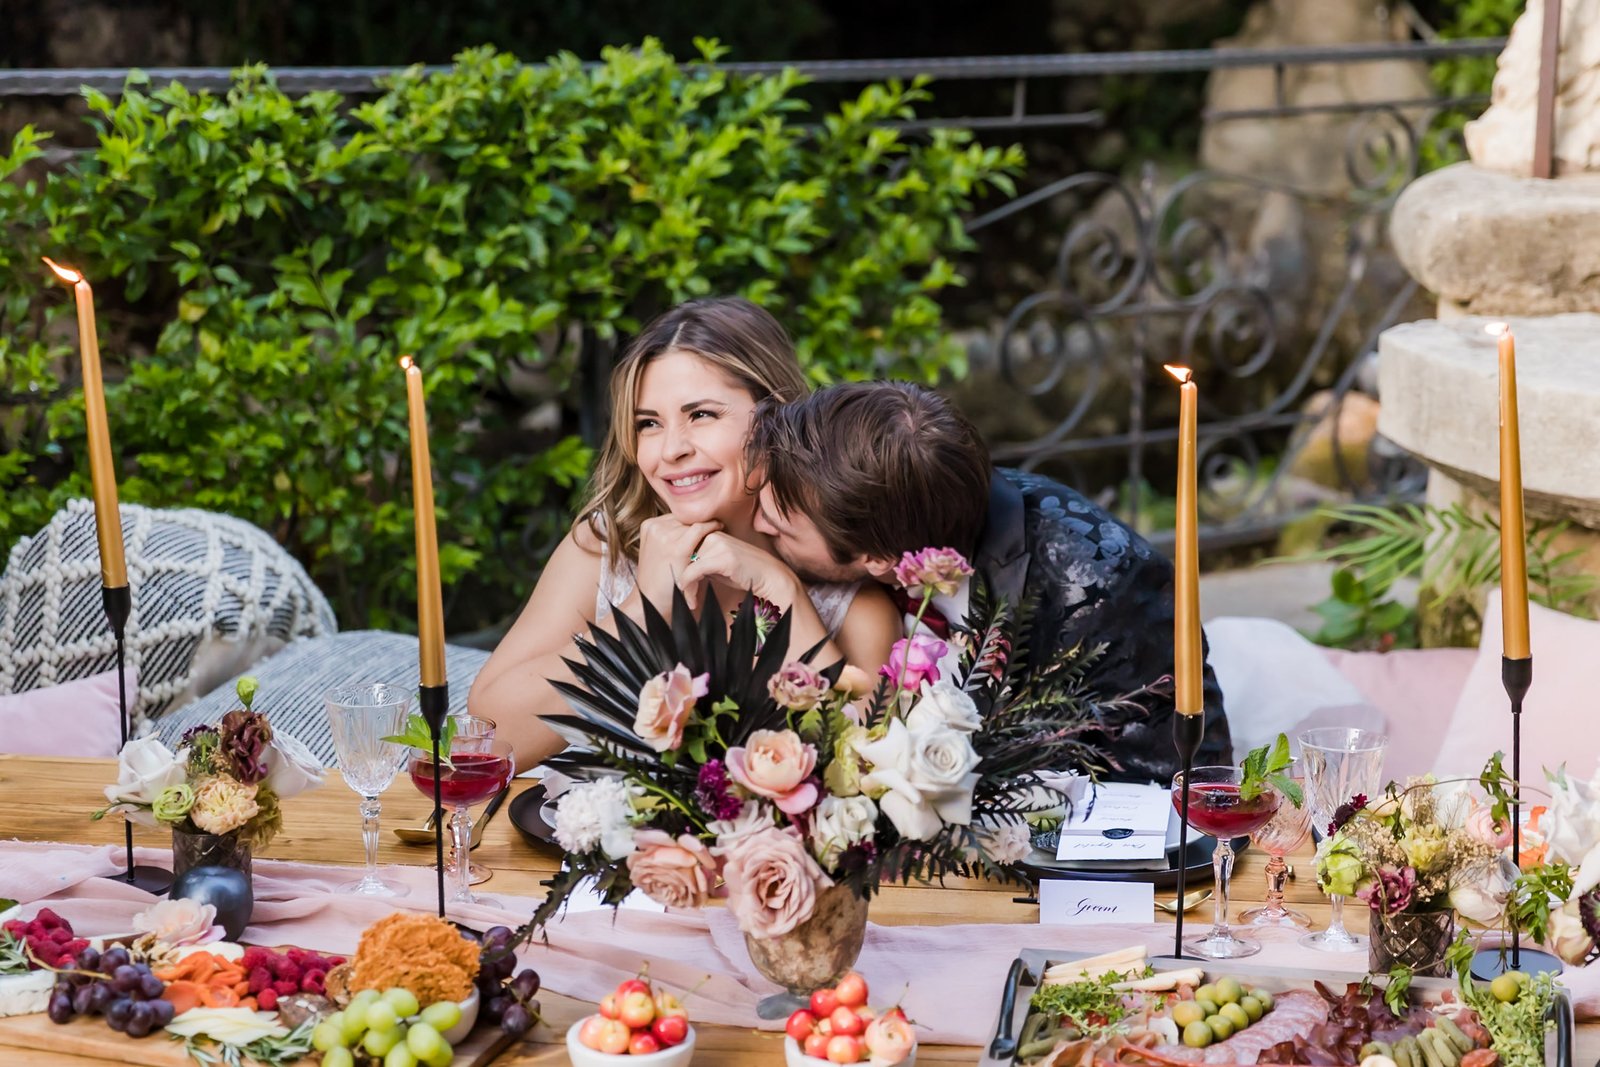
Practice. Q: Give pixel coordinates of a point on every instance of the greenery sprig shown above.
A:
(266, 1051)
(1397, 994)
(1265, 766)
(418, 735)
(1090, 1005)
(13, 956)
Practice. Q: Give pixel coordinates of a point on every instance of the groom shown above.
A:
(856, 474)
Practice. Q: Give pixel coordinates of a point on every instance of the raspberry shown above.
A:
(50, 920)
(284, 988)
(254, 956)
(312, 983)
(287, 970)
(260, 978)
(35, 928)
(60, 935)
(335, 961)
(267, 1000)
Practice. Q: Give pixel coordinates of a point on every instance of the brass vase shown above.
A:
(1418, 939)
(819, 951)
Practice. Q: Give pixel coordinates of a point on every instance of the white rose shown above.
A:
(144, 769)
(1573, 821)
(921, 779)
(1568, 938)
(942, 704)
(840, 822)
(1480, 895)
(291, 766)
(1006, 842)
(1588, 873)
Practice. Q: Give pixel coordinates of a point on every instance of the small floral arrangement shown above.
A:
(1561, 883)
(716, 764)
(1421, 847)
(224, 779)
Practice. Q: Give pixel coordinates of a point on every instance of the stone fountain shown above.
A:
(1494, 243)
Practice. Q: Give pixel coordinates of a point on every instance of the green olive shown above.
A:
(1206, 1005)
(1197, 1035)
(1187, 1011)
(1228, 991)
(1235, 1015)
(1506, 988)
(1206, 992)
(1252, 1007)
(1264, 997)
(1221, 1028)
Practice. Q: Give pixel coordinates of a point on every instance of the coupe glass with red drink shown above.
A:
(1219, 809)
(477, 767)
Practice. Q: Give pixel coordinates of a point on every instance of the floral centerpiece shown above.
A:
(1417, 856)
(1559, 896)
(220, 791)
(717, 763)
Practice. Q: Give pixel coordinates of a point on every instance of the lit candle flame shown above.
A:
(66, 274)
(1497, 329)
(1183, 374)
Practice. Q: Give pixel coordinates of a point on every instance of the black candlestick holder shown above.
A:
(434, 702)
(118, 602)
(1187, 732)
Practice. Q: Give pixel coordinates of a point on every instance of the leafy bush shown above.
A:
(262, 261)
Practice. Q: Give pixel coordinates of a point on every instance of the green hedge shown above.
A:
(261, 261)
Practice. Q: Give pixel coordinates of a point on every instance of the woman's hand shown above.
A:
(665, 548)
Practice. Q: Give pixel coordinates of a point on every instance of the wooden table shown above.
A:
(49, 800)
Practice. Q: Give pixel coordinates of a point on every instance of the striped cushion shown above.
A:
(295, 681)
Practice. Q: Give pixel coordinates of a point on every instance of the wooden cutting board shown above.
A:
(92, 1038)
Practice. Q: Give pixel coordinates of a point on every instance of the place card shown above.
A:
(1069, 903)
(1122, 821)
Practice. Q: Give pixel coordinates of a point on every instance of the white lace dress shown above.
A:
(831, 599)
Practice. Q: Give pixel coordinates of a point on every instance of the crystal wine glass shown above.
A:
(1339, 763)
(477, 767)
(359, 718)
(1279, 837)
(1217, 808)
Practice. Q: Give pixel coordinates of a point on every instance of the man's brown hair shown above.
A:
(881, 468)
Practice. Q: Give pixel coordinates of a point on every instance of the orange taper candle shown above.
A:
(1188, 666)
(430, 598)
(1513, 525)
(102, 472)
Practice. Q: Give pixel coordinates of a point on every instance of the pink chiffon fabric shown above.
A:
(948, 978)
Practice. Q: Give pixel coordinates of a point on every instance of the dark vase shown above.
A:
(209, 850)
(1418, 939)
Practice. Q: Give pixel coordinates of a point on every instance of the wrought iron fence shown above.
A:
(1136, 272)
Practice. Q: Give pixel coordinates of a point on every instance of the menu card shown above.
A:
(1121, 821)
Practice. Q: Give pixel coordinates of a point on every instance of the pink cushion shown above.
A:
(1557, 714)
(1417, 690)
(79, 718)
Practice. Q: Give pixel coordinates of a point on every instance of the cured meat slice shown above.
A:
(1295, 1013)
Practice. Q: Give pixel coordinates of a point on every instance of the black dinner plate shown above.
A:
(1197, 859)
(527, 815)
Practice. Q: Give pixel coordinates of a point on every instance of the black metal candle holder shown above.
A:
(434, 702)
(118, 602)
(1187, 732)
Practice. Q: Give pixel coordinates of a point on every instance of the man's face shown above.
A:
(797, 541)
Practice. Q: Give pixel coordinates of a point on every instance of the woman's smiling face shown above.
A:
(690, 423)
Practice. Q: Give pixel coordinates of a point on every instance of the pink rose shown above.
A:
(772, 882)
(1482, 827)
(914, 660)
(889, 1039)
(931, 572)
(179, 922)
(775, 764)
(664, 706)
(677, 872)
(797, 687)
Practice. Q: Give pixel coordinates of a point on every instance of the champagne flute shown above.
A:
(1218, 808)
(1339, 763)
(359, 718)
(1287, 830)
(477, 767)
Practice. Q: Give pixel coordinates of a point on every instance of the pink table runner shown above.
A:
(947, 977)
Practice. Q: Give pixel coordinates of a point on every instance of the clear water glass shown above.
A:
(1339, 763)
(360, 717)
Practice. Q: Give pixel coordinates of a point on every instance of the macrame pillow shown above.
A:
(295, 682)
(211, 595)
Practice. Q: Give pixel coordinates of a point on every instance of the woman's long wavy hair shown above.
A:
(731, 333)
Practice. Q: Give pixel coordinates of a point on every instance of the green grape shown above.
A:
(379, 1042)
(403, 1001)
(328, 1034)
(400, 1056)
(338, 1056)
(442, 1016)
(352, 1022)
(382, 1016)
(427, 1043)
(365, 997)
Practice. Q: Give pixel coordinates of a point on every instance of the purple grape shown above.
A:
(496, 1007)
(63, 986)
(164, 1011)
(525, 984)
(151, 986)
(60, 1009)
(99, 997)
(114, 958)
(497, 937)
(125, 979)
(89, 958)
(141, 1019)
(80, 999)
(516, 1021)
(118, 1012)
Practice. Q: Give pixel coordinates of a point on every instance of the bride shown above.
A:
(670, 481)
